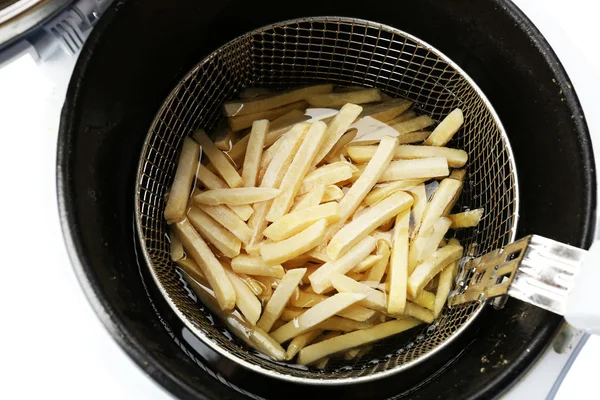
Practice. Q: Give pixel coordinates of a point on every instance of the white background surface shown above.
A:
(52, 344)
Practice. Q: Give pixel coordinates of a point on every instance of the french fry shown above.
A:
(398, 272)
(332, 193)
(255, 286)
(426, 243)
(367, 263)
(225, 138)
(304, 299)
(444, 196)
(307, 300)
(322, 363)
(297, 262)
(361, 226)
(187, 165)
(351, 354)
(225, 241)
(376, 273)
(445, 283)
(218, 160)
(413, 137)
(296, 221)
(405, 116)
(418, 312)
(423, 168)
(234, 108)
(375, 299)
(289, 314)
(466, 219)
(334, 100)
(339, 146)
(340, 124)
(364, 350)
(383, 191)
(420, 202)
(236, 196)
(387, 111)
(267, 283)
(432, 266)
(413, 125)
(384, 236)
(320, 280)
(446, 129)
(316, 351)
(458, 174)
(318, 255)
(297, 170)
(279, 252)
(300, 342)
(279, 299)
(175, 246)
(272, 179)
(424, 299)
(253, 336)
(211, 181)
(311, 199)
(455, 158)
(254, 92)
(343, 324)
(254, 151)
(229, 220)
(326, 175)
(310, 268)
(245, 264)
(315, 315)
(240, 122)
(190, 267)
(245, 300)
(208, 263)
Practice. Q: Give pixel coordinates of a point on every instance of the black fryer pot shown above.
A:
(141, 49)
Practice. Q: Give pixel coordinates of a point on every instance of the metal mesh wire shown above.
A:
(345, 52)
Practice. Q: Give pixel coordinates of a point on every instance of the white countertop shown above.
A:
(53, 345)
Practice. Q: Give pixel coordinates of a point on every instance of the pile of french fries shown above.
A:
(312, 237)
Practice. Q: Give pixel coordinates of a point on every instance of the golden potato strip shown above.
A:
(343, 324)
(244, 211)
(423, 168)
(292, 180)
(332, 193)
(190, 267)
(175, 246)
(340, 124)
(418, 312)
(296, 221)
(339, 146)
(466, 219)
(304, 299)
(234, 108)
(367, 222)
(413, 137)
(225, 138)
(365, 182)
(424, 299)
(315, 315)
(326, 175)
(240, 122)
(398, 273)
(426, 243)
(225, 241)
(245, 264)
(272, 179)
(405, 116)
(385, 236)
(432, 266)
(300, 342)
(289, 314)
(347, 341)
(334, 100)
(420, 202)
(236, 196)
(456, 158)
(254, 151)
(444, 196)
(387, 111)
(376, 273)
(208, 179)
(279, 299)
(255, 286)
(375, 299)
(445, 284)
(208, 263)
(458, 174)
(357, 313)
(321, 279)
(252, 336)
(245, 300)
(218, 159)
(279, 252)
(416, 124)
(229, 220)
(446, 129)
(367, 263)
(182, 183)
(381, 192)
(311, 199)
(254, 92)
(297, 262)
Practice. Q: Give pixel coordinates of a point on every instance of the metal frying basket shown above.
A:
(345, 52)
